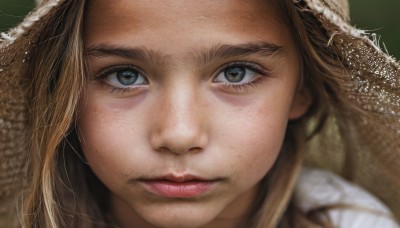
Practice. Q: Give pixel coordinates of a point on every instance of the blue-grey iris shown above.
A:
(127, 77)
(235, 74)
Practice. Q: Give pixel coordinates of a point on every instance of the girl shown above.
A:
(197, 114)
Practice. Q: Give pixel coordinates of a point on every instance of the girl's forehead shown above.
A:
(181, 7)
(180, 16)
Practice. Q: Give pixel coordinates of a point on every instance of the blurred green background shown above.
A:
(381, 17)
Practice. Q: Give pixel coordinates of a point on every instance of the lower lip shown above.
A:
(172, 189)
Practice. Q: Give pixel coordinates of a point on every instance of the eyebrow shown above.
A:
(203, 56)
(224, 51)
(104, 50)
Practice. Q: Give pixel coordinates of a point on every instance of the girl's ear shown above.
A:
(301, 102)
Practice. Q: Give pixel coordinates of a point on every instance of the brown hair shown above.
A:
(64, 192)
(57, 74)
(321, 69)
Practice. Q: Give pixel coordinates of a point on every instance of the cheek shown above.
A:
(253, 138)
(107, 139)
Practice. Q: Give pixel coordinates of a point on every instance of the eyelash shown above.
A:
(114, 69)
(242, 87)
(236, 88)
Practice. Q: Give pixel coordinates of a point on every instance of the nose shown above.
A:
(180, 127)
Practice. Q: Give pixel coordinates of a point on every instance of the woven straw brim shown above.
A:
(372, 85)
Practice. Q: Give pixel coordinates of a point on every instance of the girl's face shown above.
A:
(187, 106)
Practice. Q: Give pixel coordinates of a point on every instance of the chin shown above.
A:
(180, 224)
(189, 218)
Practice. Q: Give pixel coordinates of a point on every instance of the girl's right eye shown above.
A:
(124, 78)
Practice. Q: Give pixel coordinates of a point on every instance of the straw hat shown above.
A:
(372, 85)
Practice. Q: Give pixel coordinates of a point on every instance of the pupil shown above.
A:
(235, 74)
(127, 77)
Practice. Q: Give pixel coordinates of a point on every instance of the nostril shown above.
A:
(179, 151)
(195, 149)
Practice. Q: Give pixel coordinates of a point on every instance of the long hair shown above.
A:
(64, 192)
(322, 72)
(57, 77)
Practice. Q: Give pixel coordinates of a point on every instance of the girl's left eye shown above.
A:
(239, 74)
(125, 78)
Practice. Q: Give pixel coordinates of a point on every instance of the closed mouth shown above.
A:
(172, 186)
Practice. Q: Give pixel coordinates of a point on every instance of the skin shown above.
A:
(186, 118)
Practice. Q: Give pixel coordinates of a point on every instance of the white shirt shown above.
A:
(320, 188)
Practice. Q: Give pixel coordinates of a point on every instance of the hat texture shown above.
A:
(372, 85)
